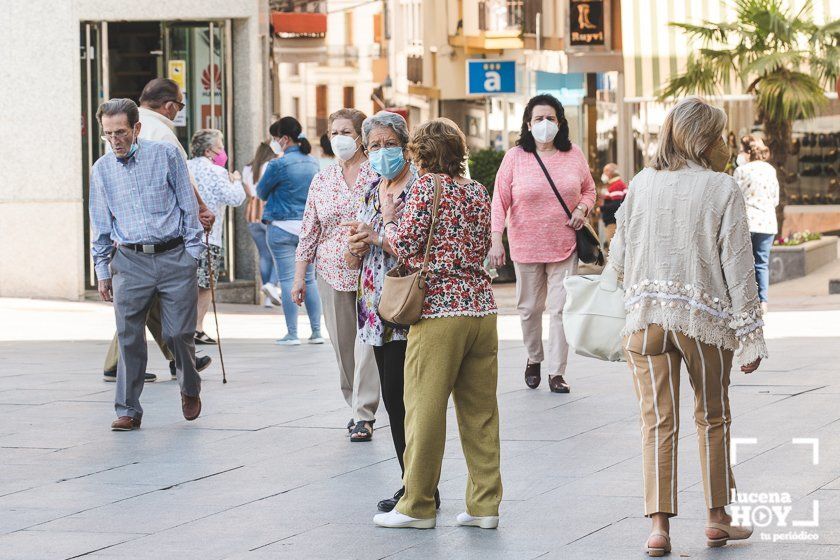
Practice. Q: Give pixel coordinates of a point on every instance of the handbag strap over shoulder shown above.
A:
(551, 182)
(435, 208)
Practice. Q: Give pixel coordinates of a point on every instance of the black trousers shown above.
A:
(390, 360)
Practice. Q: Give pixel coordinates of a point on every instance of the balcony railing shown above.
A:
(511, 16)
(298, 6)
(295, 19)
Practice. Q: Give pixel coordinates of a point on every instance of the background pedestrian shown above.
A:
(219, 189)
(333, 201)
(541, 235)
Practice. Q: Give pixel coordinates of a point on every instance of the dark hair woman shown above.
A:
(527, 136)
(289, 132)
(285, 186)
(251, 174)
(540, 233)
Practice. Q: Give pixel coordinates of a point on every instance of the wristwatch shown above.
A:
(582, 207)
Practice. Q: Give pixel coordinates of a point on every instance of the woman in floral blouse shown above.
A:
(760, 185)
(453, 348)
(385, 138)
(333, 199)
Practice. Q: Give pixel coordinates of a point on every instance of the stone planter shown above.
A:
(787, 263)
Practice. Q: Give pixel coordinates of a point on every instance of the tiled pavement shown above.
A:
(268, 472)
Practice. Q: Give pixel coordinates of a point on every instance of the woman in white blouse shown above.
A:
(760, 185)
(683, 247)
(219, 189)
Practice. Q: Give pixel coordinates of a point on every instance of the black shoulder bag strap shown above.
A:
(553, 187)
(588, 244)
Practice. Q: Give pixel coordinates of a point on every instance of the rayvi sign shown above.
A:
(491, 77)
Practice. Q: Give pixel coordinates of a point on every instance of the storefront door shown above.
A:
(117, 59)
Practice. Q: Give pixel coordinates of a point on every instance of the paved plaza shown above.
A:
(268, 472)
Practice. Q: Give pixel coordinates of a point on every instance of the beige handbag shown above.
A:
(594, 315)
(403, 292)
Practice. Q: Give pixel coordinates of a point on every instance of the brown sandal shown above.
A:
(532, 375)
(557, 384)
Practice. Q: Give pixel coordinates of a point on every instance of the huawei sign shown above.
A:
(217, 77)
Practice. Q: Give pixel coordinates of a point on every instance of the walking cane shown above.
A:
(213, 299)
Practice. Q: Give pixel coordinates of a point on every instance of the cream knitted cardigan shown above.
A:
(683, 247)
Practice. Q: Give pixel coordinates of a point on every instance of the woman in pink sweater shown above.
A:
(540, 233)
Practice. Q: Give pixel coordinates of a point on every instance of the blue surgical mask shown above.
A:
(388, 162)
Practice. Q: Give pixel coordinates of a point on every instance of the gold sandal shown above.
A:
(733, 533)
(656, 552)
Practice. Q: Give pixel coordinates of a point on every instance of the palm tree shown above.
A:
(779, 54)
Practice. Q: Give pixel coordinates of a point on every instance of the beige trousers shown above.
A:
(539, 287)
(357, 370)
(654, 358)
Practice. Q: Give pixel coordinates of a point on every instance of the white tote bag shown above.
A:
(594, 315)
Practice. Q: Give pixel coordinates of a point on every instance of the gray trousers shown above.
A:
(357, 369)
(136, 279)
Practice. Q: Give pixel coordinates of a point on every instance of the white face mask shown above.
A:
(604, 178)
(344, 147)
(742, 159)
(544, 131)
(275, 146)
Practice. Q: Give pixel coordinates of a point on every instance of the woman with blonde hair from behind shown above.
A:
(683, 247)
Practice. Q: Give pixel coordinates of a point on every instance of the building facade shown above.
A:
(327, 56)
(60, 68)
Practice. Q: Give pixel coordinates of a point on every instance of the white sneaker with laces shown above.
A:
(272, 293)
(396, 520)
(467, 520)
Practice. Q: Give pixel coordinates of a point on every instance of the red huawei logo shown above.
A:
(217, 76)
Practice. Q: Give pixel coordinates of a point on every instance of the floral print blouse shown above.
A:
(760, 186)
(217, 191)
(374, 267)
(458, 284)
(332, 201)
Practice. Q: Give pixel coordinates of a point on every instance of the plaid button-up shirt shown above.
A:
(146, 198)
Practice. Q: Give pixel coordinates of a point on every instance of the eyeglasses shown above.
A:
(377, 147)
(116, 135)
(178, 103)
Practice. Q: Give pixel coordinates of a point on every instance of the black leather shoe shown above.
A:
(388, 504)
(111, 377)
(201, 363)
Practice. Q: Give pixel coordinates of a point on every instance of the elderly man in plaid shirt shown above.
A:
(145, 240)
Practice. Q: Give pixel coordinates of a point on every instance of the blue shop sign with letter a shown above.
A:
(488, 77)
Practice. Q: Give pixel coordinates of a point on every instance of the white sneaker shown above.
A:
(396, 520)
(488, 522)
(288, 340)
(272, 293)
(316, 338)
(267, 303)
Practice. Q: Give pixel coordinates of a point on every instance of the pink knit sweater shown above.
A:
(538, 230)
